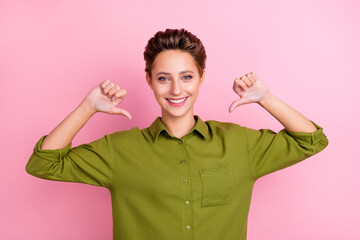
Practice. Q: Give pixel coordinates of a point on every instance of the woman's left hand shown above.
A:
(249, 89)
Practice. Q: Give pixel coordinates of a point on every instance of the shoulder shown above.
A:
(128, 135)
(225, 127)
(220, 124)
(230, 128)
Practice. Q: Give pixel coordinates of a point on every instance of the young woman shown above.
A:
(180, 178)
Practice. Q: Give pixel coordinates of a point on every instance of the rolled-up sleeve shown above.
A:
(89, 163)
(270, 151)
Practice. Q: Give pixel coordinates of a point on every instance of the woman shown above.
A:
(180, 178)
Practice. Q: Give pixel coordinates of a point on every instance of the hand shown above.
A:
(105, 97)
(249, 89)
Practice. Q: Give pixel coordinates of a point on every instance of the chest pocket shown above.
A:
(217, 186)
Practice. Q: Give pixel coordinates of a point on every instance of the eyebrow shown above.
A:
(182, 72)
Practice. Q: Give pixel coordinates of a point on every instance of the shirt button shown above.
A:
(180, 142)
(187, 202)
(185, 180)
(188, 227)
(182, 161)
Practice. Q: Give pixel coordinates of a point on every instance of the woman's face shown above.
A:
(175, 82)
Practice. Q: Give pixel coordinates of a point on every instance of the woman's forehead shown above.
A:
(174, 61)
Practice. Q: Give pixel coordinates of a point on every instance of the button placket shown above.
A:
(186, 190)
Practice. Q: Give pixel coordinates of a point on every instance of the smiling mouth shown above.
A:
(177, 101)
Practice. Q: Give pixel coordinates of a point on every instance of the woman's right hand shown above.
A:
(105, 97)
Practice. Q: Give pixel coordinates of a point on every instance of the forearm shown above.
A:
(63, 134)
(291, 119)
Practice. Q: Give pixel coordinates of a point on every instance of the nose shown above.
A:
(176, 88)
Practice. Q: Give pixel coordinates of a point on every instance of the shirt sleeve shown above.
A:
(270, 151)
(89, 163)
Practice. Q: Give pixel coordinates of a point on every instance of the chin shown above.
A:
(175, 112)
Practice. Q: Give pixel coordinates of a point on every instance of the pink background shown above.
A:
(52, 53)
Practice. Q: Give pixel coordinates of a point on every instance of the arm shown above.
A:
(64, 133)
(250, 89)
(91, 163)
(100, 99)
(270, 151)
(291, 119)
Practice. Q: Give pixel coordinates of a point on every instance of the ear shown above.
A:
(202, 77)
(148, 80)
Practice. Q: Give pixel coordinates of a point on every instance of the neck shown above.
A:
(179, 126)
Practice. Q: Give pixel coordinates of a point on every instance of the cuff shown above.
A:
(304, 138)
(51, 153)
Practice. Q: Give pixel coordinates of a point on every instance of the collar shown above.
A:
(158, 126)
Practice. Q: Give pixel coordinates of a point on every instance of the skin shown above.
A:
(251, 90)
(175, 75)
(168, 81)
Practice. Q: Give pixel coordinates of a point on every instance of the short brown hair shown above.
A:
(175, 39)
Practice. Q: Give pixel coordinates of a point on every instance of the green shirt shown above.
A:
(165, 188)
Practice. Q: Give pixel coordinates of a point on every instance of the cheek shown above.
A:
(193, 88)
(159, 91)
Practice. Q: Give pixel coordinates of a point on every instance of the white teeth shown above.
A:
(177, 101)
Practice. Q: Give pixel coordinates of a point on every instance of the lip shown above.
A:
(177, 104)
(175, 98)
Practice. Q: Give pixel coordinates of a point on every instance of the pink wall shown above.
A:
(307, 52)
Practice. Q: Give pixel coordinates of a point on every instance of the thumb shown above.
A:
(237, 103)
(123, 112)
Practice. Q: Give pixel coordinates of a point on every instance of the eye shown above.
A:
(188, 77)
(162, 79)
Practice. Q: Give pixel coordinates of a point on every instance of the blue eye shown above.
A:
(187, 77)
(162, 78)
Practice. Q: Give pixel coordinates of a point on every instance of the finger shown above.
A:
(237, 103)
(246, 81)
(113, 90)
(123, 112)
(108, 87)
(239, 86)
(103, 84)
(255, 77)
(233, 106)
(251, 77)
(120, 94)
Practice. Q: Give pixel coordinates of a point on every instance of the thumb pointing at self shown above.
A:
(249, 89)
(237, 103)
(123, 112)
